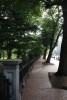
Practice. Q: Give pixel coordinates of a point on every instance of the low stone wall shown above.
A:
(11, 72)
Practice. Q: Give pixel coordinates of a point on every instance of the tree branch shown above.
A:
(60, 32)
(50, 3)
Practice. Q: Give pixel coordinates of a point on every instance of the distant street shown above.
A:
(54, 61)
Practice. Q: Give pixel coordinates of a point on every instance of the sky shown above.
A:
(58, 47)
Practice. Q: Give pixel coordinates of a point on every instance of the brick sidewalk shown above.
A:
(38, 86)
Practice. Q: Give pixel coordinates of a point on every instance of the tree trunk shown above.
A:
(0, 54)
(51, 49)
(45, 52)
(9, 54)
(49, 56)
(18, 53)
(62, 70)
(3, 54)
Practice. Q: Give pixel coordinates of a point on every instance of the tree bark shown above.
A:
(18, 53)
(45, 52)
(49, 56)
(62, 70)
(9, 54)
(51, 49)
(0, 54)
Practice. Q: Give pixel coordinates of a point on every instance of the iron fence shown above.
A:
(24, 70)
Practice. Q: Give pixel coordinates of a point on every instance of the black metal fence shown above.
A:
(5, 84)
(24, 70)
(4, 88)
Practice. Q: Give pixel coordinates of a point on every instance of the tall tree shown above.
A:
(51, 29)
(13, 26)
(63, 56)
(56, 29)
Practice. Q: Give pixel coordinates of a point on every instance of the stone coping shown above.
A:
(10, 61)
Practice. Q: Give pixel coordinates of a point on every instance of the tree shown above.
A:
(21, 5)
(12, 27)
(63, 55)
(46, 34)
(56, 30)
(51, 30)
(45, 41)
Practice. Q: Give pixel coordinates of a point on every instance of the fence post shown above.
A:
(11, 71)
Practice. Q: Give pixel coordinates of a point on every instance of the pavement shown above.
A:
(39, 83)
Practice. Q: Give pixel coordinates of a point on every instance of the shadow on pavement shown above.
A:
(59, 82)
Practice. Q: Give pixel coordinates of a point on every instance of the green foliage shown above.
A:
(13, 27)
(51, 28)
(50, 3)
(29, 48)
(17, 19)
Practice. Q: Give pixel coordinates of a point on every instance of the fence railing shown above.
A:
(7, 90)
(24, 70)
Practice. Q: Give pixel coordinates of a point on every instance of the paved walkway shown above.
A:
(38, 86)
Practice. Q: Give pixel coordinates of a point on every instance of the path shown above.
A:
(38, 86)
